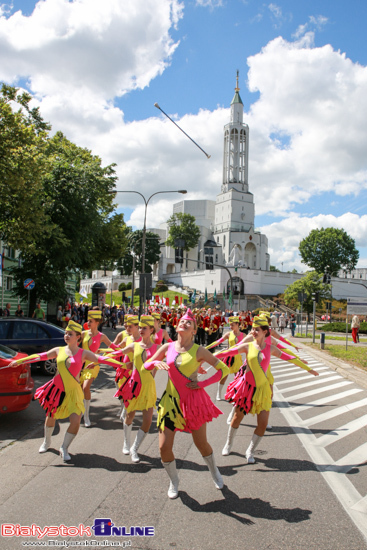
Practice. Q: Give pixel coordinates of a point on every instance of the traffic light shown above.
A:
(179, 259)
(326, 278)
(123, 296)
(316, 297)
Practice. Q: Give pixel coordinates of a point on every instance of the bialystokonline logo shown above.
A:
(101, 528)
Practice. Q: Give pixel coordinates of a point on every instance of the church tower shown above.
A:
(235, 210)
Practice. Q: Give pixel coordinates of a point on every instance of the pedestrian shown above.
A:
(185, 406)
(282, 323)
(91, 341)
(19, 312)
(6, 312)
(292, 324)
(59, 316)
(251, 392)
(38, 312)
(62, 397)
(355, 328)
(274, 321)
(139, 392)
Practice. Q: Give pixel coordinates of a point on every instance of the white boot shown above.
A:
(140, 436)
(47, 441)
(64, 447)
(231, 415)
(232, 432)
(251, 448)
(171, 470)
(127, 434)
(219, 391)
(123, 414)
(269, 427)
(217, 478)
(87, 422)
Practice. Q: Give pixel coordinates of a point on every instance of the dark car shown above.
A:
(32, 336)
(16, 383)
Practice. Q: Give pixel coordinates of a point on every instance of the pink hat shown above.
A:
(189, 315)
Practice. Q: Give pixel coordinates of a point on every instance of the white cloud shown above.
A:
(106, 48)
(307, 130)
(209, 3)
(288, 233)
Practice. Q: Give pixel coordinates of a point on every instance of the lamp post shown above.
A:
(146, 202)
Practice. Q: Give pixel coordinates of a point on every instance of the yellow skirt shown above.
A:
(88, 374)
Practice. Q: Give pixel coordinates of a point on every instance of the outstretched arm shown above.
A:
(51, 354)
(296, 360)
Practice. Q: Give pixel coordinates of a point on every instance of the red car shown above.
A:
(16, 384)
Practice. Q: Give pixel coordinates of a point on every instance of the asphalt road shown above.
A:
(300, 493)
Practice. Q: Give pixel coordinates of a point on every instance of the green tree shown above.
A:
(80, 207)
(23, 164)
(183, 226)
(310, 282)
(152, 251)
(329, 249)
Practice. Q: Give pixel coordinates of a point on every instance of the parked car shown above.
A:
(16, 383)
(32, 336)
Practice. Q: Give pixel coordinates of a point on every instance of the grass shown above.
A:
(355, 356)
(117, 298)
(328, 337)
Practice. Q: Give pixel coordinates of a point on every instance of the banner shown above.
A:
(83, 292)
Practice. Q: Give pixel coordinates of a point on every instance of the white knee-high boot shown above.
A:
(219, 391)
(127, 435)
(217, 478)
(65, 446)
(251, 448)
(140, 436)
(232, 432)
(171, 470)
(87, 422)
(47, 441)
(231, 415)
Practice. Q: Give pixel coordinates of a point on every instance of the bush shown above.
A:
(122, 286)
(160, 288)
(340, 327)
(129, 286)
(136, 292)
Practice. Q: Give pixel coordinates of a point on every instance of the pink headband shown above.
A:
(189, 315)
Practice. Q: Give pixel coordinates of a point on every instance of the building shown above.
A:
(231, 253)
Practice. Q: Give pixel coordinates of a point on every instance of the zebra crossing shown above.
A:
(328, 413)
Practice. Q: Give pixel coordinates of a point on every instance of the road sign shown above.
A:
(29, 284)
(356, 306)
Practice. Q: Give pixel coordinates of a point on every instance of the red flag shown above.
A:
(181, 300)
(176, 300)
(167, 302)
(157, 299)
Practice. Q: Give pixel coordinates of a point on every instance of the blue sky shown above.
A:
(96, 68)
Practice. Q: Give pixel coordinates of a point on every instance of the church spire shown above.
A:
(237, 97)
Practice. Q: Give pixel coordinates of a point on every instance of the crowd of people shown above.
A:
(144, 348)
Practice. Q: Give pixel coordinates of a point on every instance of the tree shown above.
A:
(329, 249)
(80, 207)
(183, 226)
(23, 163)
(152, 251)
(310, 283)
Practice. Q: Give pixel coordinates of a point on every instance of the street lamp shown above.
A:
(146, 202)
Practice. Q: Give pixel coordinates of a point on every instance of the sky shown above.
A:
(95, 68)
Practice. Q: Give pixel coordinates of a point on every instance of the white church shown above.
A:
(230, 251)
